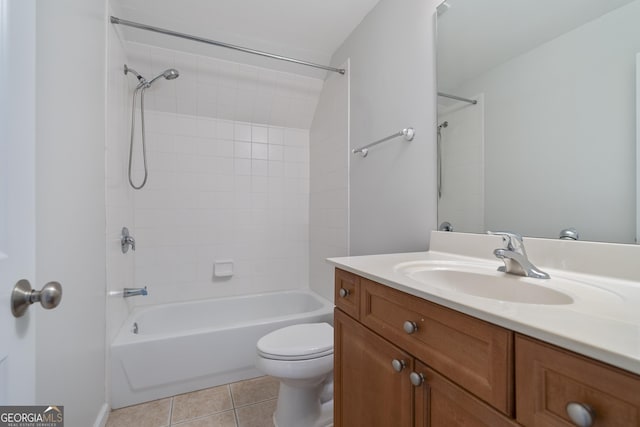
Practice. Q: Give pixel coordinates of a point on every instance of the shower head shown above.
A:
(443, 125)
(169, 74)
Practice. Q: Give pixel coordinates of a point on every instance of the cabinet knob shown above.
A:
(410, 327)
(416, 379)
(344, 292)
(398, 365)
(581, 414)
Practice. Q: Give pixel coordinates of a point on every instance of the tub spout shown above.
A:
(131, 292)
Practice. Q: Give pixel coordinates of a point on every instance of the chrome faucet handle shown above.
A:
(512, 240)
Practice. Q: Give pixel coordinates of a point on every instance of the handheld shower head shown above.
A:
(169, 74)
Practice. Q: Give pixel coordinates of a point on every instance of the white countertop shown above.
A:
(603, 322)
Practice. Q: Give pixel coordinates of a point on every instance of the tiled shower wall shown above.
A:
(228, 152)
(221, 190)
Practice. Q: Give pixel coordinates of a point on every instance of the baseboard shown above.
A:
(103, 416)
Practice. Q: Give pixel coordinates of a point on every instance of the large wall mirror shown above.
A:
(538, 117)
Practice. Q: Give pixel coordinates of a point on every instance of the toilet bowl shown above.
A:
(301, 358)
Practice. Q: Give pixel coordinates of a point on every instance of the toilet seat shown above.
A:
(297, 342)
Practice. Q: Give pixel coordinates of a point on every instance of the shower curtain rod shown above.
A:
(458, 98)
(115, 20)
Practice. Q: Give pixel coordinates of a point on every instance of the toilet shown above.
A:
(301, 358)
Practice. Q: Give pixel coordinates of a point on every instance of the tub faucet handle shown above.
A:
(127, 241)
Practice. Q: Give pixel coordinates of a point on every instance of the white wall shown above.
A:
(393, 190)
(565, 109)
(70, 217)
(329, 179)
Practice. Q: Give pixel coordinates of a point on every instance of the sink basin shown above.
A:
(486, 282)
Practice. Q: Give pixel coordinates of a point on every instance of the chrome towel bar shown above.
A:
(407, 133)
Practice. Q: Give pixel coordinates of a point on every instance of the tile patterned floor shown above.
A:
(248, 403)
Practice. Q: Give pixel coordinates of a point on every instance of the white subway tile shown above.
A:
(259, 168)
(259, 151)
(259, 134)
(207, 128)
(276, 152)
(242, 150)
(225, 130)
(242, 167)
(242, 132)
(276, 168)
(186, 125)
(225, 148)
(259, 184)
(276, 135)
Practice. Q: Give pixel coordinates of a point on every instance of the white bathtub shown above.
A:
(188, 346)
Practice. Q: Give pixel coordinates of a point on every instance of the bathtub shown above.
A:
(187, 346)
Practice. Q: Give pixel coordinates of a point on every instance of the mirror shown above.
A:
(550, 142)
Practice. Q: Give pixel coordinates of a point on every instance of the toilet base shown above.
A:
(304, 407)
(324, 420)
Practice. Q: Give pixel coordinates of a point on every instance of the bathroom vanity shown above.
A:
(413, 353)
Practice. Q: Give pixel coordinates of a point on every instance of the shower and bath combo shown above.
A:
(143, 85)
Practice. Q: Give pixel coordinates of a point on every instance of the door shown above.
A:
(369, 390)
(441, 403)
(17, 196)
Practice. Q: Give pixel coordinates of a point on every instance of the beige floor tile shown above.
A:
(201, 403)
(254, 391)
(150, 414)
(258, 415)
(222, 419)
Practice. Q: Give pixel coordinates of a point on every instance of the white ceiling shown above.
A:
(309, 30)
(475, 36)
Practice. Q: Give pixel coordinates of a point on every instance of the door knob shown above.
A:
(23, 296)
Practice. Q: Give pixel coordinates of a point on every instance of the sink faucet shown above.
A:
(515, 257)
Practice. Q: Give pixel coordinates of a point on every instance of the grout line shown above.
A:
(233, 406)
(171, 412)
(257, 402)
(233, 402)
(200, 418)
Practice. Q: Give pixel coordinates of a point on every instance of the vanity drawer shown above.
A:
(475, 354)
(548, 378)
(347, 292)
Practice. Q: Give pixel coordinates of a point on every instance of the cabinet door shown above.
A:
(441, 403)
(369, 392)
(548, 379)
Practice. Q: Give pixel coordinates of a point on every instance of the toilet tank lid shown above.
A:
(298, 340)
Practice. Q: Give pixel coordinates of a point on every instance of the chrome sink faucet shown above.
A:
(515, 257)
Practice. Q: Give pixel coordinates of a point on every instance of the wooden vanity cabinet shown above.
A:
(378, 382)
(447, 369)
